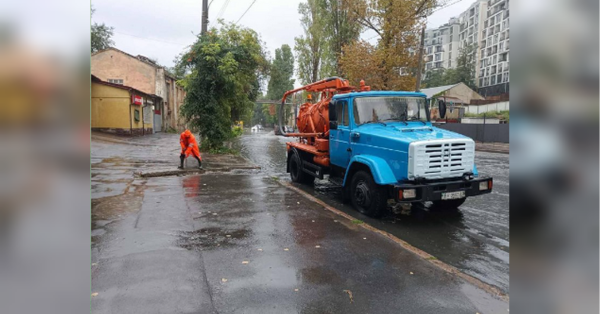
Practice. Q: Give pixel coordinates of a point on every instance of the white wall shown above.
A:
(499, 106)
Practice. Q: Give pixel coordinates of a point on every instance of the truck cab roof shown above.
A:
(380, 93)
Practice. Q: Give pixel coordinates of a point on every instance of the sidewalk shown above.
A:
(502, 148)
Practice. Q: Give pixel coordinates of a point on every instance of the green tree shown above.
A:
(465, 67)
(339, 30)
(281, 72)
(226, 68)
(310, 46)
(434, 78)
(100, 35)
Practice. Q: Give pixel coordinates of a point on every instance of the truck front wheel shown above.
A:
(449, 204)
(367, 197)
(296, 173)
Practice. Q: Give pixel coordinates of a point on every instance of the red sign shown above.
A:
(136, 100)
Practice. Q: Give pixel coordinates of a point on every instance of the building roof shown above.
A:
(95, 79)
(430, 92)
(140, 58)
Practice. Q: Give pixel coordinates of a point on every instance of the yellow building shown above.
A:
(121, 109)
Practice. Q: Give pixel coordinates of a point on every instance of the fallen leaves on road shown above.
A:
(245, 262)
(411, 273)
(286, 249)
(313, 221)
(260, 250)
(224, 279)
(298, 203)
(350, 295)
(317, 246)
(228, 235)
(214, 214)
(94, 294)
(364, 238)
(296, 290)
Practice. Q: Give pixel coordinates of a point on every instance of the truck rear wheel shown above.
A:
(449, 204)
(296, 172)
(367, 197)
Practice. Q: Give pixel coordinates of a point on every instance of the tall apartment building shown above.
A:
(471, 24)
(493, 65)
(441, 46)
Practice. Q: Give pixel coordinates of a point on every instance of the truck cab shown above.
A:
(383, 146)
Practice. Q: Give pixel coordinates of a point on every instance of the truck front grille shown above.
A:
(441, 158)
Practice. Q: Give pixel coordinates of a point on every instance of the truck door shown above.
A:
(339, 140)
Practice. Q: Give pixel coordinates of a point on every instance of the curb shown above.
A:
(114, 140)
(167, 173)
(494, 291)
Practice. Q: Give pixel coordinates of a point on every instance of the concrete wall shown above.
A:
(499, 106)
(480, 121)
(114, 64)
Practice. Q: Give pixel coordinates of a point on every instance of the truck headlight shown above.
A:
(408, 193)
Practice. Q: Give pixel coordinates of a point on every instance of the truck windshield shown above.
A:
(389, 109)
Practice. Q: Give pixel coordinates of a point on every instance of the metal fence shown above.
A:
(486, 133)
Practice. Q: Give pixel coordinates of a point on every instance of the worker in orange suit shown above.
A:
(189, 146)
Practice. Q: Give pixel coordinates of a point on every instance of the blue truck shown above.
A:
(381, 145)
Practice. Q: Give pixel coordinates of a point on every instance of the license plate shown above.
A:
(453, 195)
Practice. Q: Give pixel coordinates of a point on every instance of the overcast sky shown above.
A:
(162, 29)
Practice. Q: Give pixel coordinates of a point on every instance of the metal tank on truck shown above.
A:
(380, 145)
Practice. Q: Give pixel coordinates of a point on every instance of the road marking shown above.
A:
(422, 254)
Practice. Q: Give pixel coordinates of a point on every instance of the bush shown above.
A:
(237, 131)
(502, 115)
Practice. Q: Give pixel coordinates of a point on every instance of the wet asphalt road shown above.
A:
(476, 240)
(240, 242)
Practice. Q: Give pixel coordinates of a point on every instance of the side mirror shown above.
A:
(333, 125)
(442, 107)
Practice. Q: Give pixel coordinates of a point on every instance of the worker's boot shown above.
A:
(199, 163)
(182, 158)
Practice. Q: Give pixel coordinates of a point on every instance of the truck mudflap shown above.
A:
(441, 190)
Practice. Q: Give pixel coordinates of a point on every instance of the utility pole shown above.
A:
(420, 69)
(204, 16)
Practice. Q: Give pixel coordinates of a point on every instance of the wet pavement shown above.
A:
(240, 242)
(476, 240)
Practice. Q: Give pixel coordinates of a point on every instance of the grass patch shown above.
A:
(222, 151)
(275, 178)
(357, 221)
(432, 258)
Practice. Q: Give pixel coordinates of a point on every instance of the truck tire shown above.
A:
(296, 173)
(367, 197)
(449, 204)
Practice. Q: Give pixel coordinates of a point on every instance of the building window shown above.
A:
(429, 50)
(450, 47)
(449, 63)
(438, 57)
(438, 48)
(116, 81)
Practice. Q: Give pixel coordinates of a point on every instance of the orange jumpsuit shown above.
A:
(189, 146)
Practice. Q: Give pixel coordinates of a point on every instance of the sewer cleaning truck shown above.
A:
(380, 145)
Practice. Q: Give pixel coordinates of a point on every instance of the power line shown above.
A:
(222, 11)
(445, 6)
(251, 4)
(163, 41)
